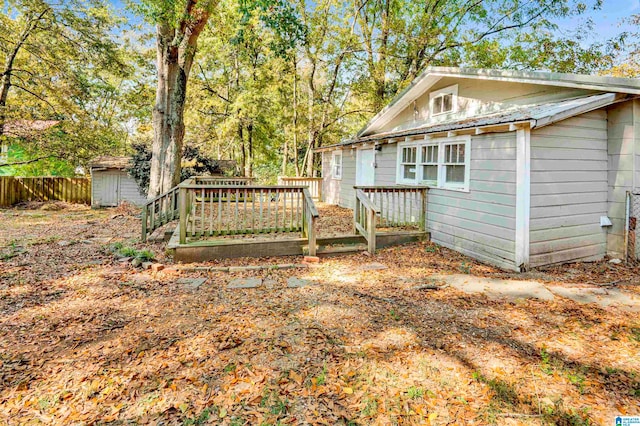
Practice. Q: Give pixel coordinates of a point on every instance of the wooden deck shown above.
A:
(334, 236)
(242, 220)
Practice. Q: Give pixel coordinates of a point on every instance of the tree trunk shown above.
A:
(250, 150)
(295, 116)
(243, 151)
(175, 51)
(7, 72)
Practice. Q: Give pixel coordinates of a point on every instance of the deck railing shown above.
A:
(364, 219)
(313, 183)
(399, 206)
(222, 181)
(208, 210)
(159, 211)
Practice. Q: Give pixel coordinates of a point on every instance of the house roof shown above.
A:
(27, 128)
(110, 162)
(432, 75)
(538, 115)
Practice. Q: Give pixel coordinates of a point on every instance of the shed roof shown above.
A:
(538, 115)
(110, 162)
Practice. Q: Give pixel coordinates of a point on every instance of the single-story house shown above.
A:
(524, 169)
(111, 184)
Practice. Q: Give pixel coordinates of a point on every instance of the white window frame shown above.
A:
(442, 167)
(401, 163)
(422, 163)
(334, 155)
(450, 90)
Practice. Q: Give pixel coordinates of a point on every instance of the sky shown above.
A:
(608, 20)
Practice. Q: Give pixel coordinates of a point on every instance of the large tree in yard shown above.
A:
(178, 26)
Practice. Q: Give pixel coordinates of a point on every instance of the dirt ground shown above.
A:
(88, 339)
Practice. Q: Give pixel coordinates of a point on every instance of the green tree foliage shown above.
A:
(267, 80)
(270, 89)
(64, 61)
(195, 163)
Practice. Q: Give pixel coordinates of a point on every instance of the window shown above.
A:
(444, 100)
(336, 164)
(440, 163)
(429, 163)
(454, 163)
(408, 163)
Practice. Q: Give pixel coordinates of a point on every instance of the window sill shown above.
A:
(452, 188)
(336, 177)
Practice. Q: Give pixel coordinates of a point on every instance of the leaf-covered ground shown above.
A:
(87, 339)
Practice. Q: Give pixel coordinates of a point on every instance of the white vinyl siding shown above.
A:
(569, 190)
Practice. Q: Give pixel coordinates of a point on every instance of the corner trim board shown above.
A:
(523, 197)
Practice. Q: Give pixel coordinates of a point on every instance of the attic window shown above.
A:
(444, 100)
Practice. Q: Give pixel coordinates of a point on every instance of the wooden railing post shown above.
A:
(182, 200)
(144, 223)
(356, 213)
(423, 209)
(312, 214)
(371, 228)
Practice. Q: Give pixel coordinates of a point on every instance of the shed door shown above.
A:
(365, 171)
(110, 193)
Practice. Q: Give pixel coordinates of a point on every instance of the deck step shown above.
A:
(346, 249)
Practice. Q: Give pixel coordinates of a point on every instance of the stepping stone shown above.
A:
(192, 282)
(270, 283)
(245, 283)
(373, 266)
(496, 288)
(602, 296)
(294, 282)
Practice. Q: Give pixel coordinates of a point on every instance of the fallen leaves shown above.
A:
(86, 340)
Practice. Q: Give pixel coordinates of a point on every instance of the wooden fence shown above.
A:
(15, 190)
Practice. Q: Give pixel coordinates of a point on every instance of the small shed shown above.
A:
(111, 184)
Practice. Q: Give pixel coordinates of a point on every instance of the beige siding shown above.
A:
(481, 222)
(569, 185)
(621, 133)
(339, 191)
(347, 192)
(480, 97)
